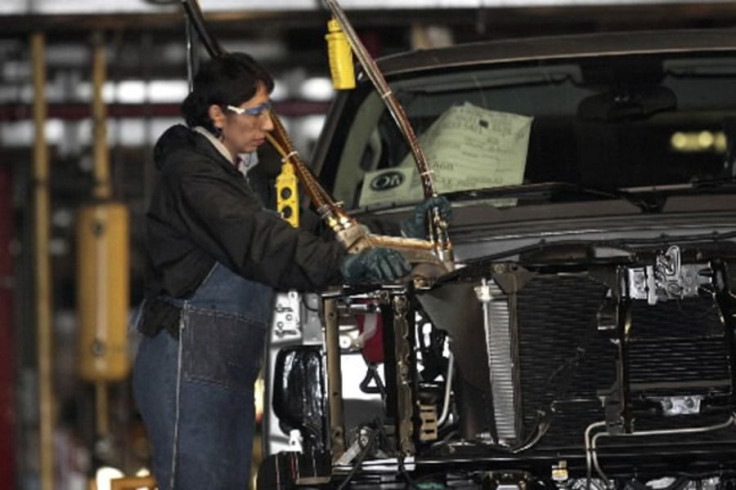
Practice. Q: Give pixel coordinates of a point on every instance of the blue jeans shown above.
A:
(196, 393)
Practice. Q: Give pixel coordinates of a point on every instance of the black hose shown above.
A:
(194, 13)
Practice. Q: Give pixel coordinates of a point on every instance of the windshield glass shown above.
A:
(607, 123)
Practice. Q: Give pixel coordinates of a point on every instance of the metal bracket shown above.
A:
(287, 317)
(667, 279)
(680, 405)
(402, 325)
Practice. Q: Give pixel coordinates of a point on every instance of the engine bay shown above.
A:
(543, 371)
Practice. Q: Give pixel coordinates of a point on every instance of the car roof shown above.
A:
(561, 47)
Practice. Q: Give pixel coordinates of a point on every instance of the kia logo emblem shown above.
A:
(387, 181)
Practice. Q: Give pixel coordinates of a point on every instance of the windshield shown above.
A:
(607, 124)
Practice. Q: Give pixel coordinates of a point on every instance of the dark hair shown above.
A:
(230, 79)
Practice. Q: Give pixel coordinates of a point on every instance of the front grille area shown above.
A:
(564, 361)
(566, 364)
(678, 347)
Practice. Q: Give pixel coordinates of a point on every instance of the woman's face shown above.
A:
(244, 132)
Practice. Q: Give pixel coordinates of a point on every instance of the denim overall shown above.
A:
(196, 393)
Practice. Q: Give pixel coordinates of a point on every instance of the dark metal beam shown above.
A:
(75, 112)
(241, 23)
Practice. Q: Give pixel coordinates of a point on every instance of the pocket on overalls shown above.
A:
(221, 348)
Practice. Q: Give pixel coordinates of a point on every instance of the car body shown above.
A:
(585, 338)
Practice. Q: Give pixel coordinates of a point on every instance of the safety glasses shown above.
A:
(253, 111)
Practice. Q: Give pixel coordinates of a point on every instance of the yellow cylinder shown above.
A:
(340, 56)
(103, 287)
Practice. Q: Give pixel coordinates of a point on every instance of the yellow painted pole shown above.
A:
(103, 188)
(42, 264)
(102, 191)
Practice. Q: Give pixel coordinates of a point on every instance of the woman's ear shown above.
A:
(217, 116)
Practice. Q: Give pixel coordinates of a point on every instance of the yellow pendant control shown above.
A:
(287, 194)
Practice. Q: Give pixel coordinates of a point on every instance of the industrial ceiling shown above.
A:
(54, 7)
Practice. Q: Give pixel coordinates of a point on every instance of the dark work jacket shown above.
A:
(204, 211)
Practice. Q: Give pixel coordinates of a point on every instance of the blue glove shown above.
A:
(375, 265)
(416, 226)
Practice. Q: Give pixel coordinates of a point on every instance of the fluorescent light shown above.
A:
(698, 142)
(131, 92)
(160, 91)
(318, 88)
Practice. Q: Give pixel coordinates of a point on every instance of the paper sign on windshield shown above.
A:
(467, 147)
(396, 184)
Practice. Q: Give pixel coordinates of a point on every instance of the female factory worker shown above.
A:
(215, 256)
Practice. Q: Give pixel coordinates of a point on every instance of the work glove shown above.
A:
(416, 226)
(375, 265)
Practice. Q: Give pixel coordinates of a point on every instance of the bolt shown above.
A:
(403, 369)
